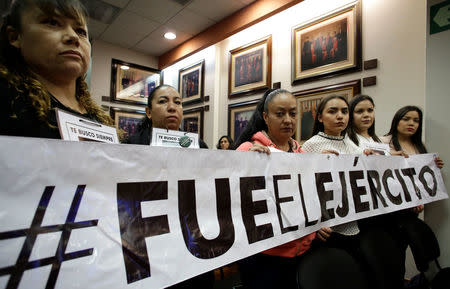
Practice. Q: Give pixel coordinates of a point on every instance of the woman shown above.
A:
(44, 56)
(271, 127)
(225, 143)
(361, 124)
(164, 110)
(406, 133)
(379, 237)
(328, 137)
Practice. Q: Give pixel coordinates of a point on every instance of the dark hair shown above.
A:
(256, 122)
(415, 138)
(16, 72)
(352, 134)
(230, 140)
(318, 126)
(147, 122)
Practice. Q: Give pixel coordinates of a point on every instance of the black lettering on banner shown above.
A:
(403, 184)
(279, 200)
(134, 228)
(250, 209)
(411, 172)
(22, 264)
(302, 198)
(375, 190)
(357, 192)
(431, 191)
(342, 209)
(324, 195)
(397, 200)
(195, 242)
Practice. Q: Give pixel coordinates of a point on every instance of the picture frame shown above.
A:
(238, 116)
(193, 121)
(126, 119)
(250, 68)
(328, 46)
(132, 83)
(191, 83)
(309, 99)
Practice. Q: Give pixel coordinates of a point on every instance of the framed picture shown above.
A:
(308, 101)
(238, 116)
(127, 119)
(193, 121)
(190, 83)
(132, 83)
(250, 67)
(328, 46)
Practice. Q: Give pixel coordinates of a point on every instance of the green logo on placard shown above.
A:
(440, 17)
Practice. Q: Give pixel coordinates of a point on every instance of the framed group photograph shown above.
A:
(193, 121)
(308, 101)
(190, 83)
(238, 116)
(250, 67)
(132, 83)
(127, 119)
(328, 46)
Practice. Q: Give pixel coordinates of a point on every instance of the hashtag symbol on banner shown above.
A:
(16, 272)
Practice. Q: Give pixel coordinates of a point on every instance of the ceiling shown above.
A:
(140, 24)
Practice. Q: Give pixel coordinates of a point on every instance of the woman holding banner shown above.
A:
(44, 56)
(380, 236)
(164, 110)
(270, 129)
(406, 133)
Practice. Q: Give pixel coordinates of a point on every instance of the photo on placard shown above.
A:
(127, 120)
(193, 121)
(328, 46)
(239, 115)
(132, 83)
(190, 83)
(250, 68)
(308, 101)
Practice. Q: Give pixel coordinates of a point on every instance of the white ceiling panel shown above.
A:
(96, 28)
(190, 22)
(157, 44)
(157, 10)
(128, 29)
(117, 3)
(215, 9)
(141, 24)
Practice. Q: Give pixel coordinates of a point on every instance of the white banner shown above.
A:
(92, 215)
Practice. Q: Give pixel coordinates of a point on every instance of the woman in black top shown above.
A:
(164, 110)
(44, 56)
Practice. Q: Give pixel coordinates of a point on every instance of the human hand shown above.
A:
(439, 162)
(418, 209)
(368, 152)
(399, 153)
(330, 152)
(324, 233)
(260, 148)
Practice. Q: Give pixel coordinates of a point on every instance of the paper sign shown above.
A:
(76, 128)
(171, 138)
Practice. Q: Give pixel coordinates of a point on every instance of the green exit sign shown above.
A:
(440, 17)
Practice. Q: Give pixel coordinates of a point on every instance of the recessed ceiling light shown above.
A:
(124, 67)
(170, 35)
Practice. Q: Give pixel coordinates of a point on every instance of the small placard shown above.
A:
(75, 128)
(369, 81)
(377, 148)
(370, 64)
(174, 138)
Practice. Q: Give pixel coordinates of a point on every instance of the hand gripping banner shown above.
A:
(92, 215)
